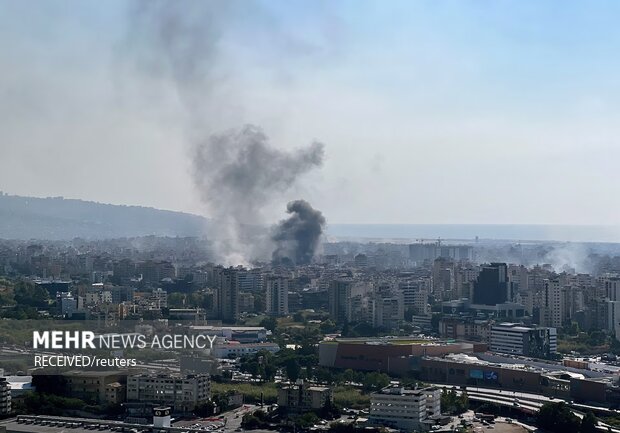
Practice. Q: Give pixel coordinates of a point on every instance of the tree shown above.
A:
(306, 420)
(349, 375)
(254, 420)
(463, 403)
(325, 375)
(329, 410)
(597, 337)
(588, 423)
(259, 302)
(260, 364)
(328, 327)
(271, 323)
(205, 409)
(375, 381)
(31, 295)
(176, 300)
(558, 418)
(293, 369)
(453, 403)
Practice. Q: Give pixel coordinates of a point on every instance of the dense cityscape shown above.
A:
(341, 342)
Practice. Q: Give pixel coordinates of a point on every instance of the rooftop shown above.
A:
(390, 340)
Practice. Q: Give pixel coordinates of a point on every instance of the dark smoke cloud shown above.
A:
(238, 173)
(297, 237)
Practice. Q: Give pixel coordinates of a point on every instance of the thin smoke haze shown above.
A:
(238, 174)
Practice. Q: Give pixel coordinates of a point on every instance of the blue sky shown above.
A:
(431, 111)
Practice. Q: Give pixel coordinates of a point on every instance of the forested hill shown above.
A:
(56, 218)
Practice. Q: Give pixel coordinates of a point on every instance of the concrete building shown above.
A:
(339, 296)
(122, 294)
(443, 278)
(465, 328)
(415, 296)
(246, 302)
(226, 294)
(491, 286)
(507, 311)
(250, 280)
(552, 309)
(159, 298)
(388, 312)
(181, 392)
(611, 285)
(387, 355)
(194, 315)
(95, 386)
(242, 334)
(238, 350)
(314, 299)
(303, 396)
(513, 373)
(612, 309)
(516, 339)
(68, 304)
(5, 397)
(360, 260)
(407, 410)
(276, 295)
(422, 252)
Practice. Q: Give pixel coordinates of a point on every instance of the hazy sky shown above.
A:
(430, 111)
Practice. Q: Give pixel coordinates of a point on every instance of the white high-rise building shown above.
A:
(612, 287)
(516, 339)
(415, 296)
(404, 409)
(552, 308)
(339, 299)
(388, 312)
(226, 293)
(159, 298)
(276, 291)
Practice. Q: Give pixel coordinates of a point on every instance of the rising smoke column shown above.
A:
(298, 236)
(239, 174)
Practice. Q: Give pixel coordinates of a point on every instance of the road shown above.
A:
(529, 403)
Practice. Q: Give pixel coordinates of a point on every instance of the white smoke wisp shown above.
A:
(239, 175)
(570, 257)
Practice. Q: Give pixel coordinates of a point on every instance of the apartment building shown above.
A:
(5, 397)
(303, 396)
(516, 339)
(183, 392)
(95, 386)
(405, 409)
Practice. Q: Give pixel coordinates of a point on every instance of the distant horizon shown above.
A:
(428, 232)
(338, 223)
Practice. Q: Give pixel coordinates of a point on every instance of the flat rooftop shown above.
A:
(391, 341)
(234, 328)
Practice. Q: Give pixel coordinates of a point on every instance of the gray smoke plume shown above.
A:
(237, 173)
(298, 236)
